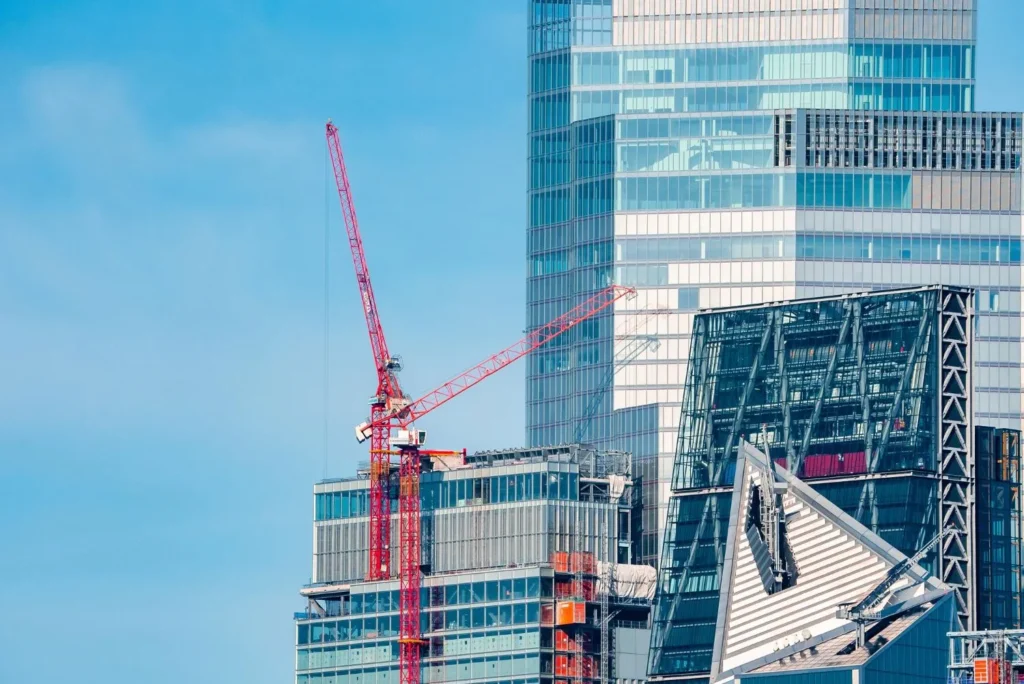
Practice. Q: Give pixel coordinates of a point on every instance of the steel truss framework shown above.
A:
(956, 449)
(865, 396)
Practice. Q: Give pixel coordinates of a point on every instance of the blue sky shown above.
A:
(163, 200)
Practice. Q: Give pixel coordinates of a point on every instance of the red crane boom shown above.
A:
(389, 394)
(404, 416)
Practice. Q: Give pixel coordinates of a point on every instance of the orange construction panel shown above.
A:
(987, 671)
(564, 614)
(570, 612)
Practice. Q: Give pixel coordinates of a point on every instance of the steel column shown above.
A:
(826, 387)
(956, 448)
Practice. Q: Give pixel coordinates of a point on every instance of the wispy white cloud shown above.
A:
(135, 306)
(84, 112)
(248, 140)
(85, 115)
(125, 309)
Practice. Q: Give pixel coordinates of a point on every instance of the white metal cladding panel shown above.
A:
(706, 222)
(833, 568)
(473, 537)
(667, 22)
(340, 549)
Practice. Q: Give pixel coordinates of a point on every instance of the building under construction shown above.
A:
(573, 504)
(527, 575)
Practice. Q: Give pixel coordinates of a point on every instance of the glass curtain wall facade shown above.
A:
(999, 509)
(849, 394)
(503, 533)
(483, 627)
(724, 153)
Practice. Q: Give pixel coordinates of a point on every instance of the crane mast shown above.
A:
(389, 394)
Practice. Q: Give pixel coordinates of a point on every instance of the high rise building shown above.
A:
(517, 585)
(730, 152)
(868, 399)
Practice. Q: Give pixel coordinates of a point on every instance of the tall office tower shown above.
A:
(726, 152)
(517, 585)
(866, 398)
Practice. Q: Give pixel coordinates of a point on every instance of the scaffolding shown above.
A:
(576, 590)
(991, 657)
(593, 462)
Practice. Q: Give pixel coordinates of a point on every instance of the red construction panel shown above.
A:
(547, 614)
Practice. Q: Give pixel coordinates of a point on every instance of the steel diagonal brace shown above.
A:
(883, 442)
(710, 507)
(711, 503)
(826, 387)
(737, 422)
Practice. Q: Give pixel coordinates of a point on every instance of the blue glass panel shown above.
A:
(962, 250)
(919, 653)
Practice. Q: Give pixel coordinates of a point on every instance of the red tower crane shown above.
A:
(389, 393)
(390, 409)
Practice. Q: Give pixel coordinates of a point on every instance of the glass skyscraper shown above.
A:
(731, 152)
